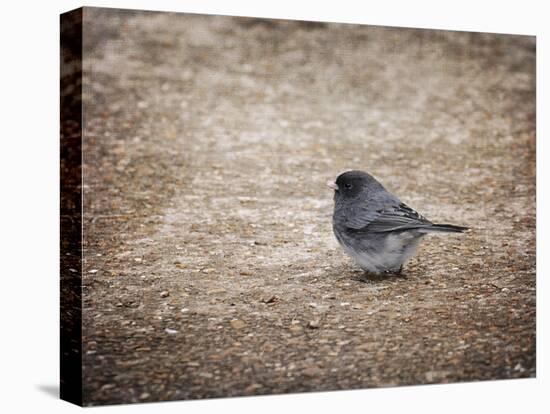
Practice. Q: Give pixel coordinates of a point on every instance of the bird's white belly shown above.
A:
(397, 249)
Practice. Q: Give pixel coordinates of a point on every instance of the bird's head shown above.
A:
(351, 184)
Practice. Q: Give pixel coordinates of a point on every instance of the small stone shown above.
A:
(271, 299)
(215, 291)
(184, 310)
(208, 270)
(170, 331)
(505, 290)
(519, 367)
(93, 271)
(314, 324)
(245, 273)
(72, 270)
(344, 304)
(144, 396)
(313, 305)
(295, 328)
(138, 259)
(252, 387)
(164, 294)
(237, 324)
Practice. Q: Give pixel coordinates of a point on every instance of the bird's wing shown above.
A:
(392, 217)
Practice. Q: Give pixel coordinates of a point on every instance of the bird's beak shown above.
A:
(333, 185)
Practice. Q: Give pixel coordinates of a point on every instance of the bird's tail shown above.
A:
(445, 228)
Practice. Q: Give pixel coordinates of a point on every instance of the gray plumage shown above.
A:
(374, 227)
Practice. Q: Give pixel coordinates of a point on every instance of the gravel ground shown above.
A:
(210, 267)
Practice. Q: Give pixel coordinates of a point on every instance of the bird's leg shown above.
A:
(400, 273)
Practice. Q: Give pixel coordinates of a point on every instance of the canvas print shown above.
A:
(256, 206)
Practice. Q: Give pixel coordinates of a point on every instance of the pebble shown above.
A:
(505, 290)
(164, 294)
(314, 324)
(93, 271)
(144, 396)
(237, 324)
(271, 299)
(519, 367)
(215, 291)
(170, 331)
(252, 387)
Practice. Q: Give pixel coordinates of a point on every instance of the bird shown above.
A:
(374, 227)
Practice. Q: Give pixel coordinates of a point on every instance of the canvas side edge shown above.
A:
(71, 206)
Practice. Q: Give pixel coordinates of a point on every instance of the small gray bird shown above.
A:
(374, 227)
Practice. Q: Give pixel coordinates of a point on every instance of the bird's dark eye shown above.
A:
(348, 186)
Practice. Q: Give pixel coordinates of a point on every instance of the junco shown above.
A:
(374, 227)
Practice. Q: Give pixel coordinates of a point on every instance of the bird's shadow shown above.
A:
(347, 273)
(367, 277)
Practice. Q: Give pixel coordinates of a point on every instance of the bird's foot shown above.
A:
(399, 272)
